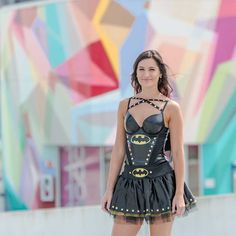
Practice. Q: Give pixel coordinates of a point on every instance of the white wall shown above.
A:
(215, 216)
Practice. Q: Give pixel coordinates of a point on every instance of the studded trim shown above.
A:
(154, 139)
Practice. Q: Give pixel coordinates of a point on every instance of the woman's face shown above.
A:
(148, 72)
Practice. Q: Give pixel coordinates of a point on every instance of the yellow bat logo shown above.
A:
(140, 139)
(140, 172)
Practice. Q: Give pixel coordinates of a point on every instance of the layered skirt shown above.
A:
(147, 192)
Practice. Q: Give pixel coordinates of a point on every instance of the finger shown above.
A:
(108, 205)
(180, 210)
(173, 207)
(104, 206)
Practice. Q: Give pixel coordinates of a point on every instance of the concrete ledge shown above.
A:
(215, 216)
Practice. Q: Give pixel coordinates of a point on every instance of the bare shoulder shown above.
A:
(123, 106)
(172, 109)
(173, 105)
(124, 102)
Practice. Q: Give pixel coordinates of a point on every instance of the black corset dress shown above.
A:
(146, 187)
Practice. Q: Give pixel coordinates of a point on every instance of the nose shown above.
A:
(146, 73)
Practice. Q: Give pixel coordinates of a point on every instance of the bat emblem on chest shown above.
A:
(140, 139)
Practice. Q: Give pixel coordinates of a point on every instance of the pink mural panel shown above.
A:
(80, 178)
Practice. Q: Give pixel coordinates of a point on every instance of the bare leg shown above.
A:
(124, 229)
(161, 228)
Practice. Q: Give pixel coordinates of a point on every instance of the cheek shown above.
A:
(157, 75)
(139, 74)
(139, 77)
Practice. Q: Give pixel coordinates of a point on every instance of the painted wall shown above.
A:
(65, 66)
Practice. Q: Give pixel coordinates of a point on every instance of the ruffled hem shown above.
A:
(147, 199)
(150, 218)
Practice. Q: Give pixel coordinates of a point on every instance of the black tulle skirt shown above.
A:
(150, 198)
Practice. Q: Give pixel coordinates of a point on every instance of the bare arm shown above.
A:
(118, 150)
(177, 149)
(175, 123)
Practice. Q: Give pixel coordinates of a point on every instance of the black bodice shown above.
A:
(145, 144)
(146, 187)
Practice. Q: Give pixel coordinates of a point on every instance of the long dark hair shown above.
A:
(163, 85)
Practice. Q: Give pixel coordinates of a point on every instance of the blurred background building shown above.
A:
(12, 2)
(65, 65)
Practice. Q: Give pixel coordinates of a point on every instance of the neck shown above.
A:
(149, 93)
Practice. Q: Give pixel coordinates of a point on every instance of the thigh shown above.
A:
(161, 228)
(124, 229)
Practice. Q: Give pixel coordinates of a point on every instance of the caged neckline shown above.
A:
(150, 99)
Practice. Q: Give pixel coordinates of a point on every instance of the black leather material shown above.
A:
(146, 187)
(162, 168)
(151, 125)
(145, 143)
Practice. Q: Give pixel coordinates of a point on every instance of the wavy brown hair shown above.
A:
(163, 85)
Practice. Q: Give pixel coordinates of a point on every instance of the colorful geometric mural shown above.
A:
(66, 64)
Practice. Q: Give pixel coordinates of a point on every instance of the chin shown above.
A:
(148, 84)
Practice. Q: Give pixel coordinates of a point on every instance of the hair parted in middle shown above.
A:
(163, 85)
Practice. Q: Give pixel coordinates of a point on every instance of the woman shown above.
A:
(148, 188)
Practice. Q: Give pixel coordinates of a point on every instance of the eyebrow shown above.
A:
(148, 67)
